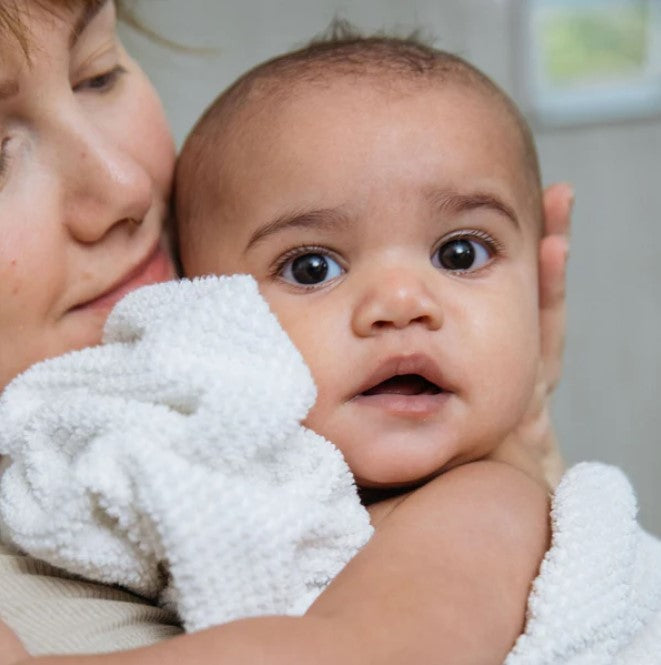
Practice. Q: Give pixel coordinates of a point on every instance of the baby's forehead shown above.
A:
(281, 109)
(274, 108)
(284, 111)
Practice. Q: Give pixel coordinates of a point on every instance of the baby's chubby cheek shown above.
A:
(320, 342)
(320, 338)
(508, 381)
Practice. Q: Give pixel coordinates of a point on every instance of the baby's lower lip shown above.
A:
(407, 406)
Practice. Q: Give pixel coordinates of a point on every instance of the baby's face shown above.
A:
(393, 235)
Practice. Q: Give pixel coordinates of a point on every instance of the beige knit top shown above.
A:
(53, 613)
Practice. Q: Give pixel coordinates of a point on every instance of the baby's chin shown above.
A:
(393, 472)
(386, 451)
(402, 463)
(394, 479)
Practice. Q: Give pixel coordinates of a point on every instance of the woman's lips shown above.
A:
(157, 267)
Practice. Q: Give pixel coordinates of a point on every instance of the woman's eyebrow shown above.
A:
(90, 10)
(453, 201)
(324, 219)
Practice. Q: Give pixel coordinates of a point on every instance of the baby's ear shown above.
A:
(553, 253)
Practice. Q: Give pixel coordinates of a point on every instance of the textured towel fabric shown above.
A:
(171, 459)
(597, 599)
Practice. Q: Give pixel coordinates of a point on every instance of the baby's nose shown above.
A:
(396, 300)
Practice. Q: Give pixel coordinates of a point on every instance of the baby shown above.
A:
(386, 199)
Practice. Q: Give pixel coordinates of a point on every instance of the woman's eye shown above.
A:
(310, 269)
(462, 255)
(101, 82)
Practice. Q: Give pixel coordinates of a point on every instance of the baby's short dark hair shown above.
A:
(341, 52)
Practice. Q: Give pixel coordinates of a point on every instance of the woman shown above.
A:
(85, 172)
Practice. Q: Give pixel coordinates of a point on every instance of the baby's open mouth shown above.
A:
(404, 384)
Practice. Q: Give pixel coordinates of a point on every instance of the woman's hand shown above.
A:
(534, 441)
(554, 249)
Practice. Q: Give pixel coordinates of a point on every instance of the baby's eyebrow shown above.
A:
(322, 220)
(452, 201)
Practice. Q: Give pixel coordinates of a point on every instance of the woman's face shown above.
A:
(85, 173)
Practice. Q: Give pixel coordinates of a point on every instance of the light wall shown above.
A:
(608, 405)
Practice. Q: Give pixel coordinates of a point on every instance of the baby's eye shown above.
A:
(310, 269)
(462, 255)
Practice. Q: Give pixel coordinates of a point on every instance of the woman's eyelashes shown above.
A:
(101, 82)
(465, 252)
(308, 267)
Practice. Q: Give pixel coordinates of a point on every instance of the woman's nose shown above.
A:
(102, 185)
(394, 301)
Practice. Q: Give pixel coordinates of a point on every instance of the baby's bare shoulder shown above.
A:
(449, 567)
(483, 499)
(486, 521)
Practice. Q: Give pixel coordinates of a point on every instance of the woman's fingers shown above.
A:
(535, 437)
(558, 200)
(554, 248)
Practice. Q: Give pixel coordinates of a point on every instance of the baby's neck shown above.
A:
(371, 495)
(380, 501)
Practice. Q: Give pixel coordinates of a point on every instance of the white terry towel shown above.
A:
(171, 459)
(597, 599)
